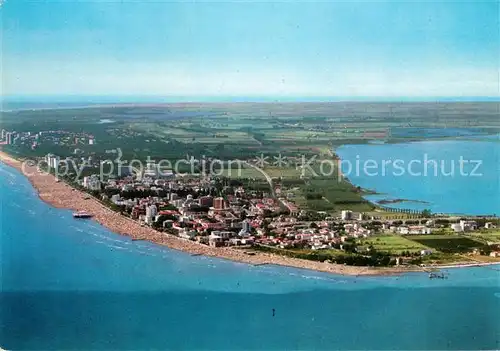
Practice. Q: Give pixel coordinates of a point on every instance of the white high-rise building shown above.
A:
(346, 215)
(246, 229)
(151, 212)
(52, 161)
(92, 182)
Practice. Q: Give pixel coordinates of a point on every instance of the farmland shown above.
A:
(245, 131)
(445, 248)
(447, 243)
(486, 236)
(394, 244)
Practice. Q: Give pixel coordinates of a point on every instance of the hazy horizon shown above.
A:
(236, 99)
(281, 49)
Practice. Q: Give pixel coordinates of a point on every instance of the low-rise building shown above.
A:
(426, 252)
(468, 225)
(215, 240)
(489, 225)
(92, 182)
(187, 233)
(419, 229)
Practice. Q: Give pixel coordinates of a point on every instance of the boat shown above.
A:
(433, 275)
(81, 214)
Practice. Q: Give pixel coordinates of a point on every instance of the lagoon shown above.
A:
(429, 172)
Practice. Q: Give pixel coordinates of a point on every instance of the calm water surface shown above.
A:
(445, 188)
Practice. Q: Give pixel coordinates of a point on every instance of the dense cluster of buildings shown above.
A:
(194, 209)
(465, 226)
(203, 210)
(52, 137)
(191, 208)
(8, 137)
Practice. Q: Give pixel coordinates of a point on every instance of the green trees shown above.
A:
(426, 213)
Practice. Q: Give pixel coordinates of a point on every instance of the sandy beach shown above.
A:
(62, 195)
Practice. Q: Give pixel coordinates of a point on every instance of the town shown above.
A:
(222, 212)
(34, 140)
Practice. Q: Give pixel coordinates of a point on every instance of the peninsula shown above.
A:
(61, 195)
(252, 182)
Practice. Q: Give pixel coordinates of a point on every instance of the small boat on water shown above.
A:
(81, 214)
(438, 275)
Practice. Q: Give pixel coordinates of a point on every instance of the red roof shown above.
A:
(168, 212)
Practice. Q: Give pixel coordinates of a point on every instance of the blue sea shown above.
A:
(460, 176)
(72, 284)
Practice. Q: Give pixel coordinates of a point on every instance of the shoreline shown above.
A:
(62, 195)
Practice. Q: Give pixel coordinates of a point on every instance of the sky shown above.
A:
(250, 48)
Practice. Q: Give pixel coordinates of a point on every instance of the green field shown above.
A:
(394, 244)
(246, 171)
(447, 243)
(336, 194)
(490, 236)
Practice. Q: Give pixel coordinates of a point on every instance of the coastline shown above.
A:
(62, 195)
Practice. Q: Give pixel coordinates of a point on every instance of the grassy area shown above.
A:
(485, 259)
(273, 172)
(445, 258)
(335, 195)
(447, 243)
(332, 255)
(393, 244)
(490, 236)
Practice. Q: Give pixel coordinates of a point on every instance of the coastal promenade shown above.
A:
(62, 195)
